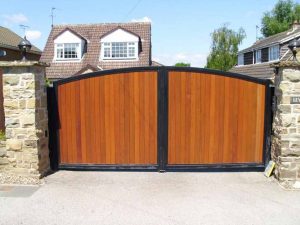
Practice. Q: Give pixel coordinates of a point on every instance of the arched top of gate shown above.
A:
(163, 69)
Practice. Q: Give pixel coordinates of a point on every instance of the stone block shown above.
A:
(4, 161)
(31, 103)
(14, 144)
(11, 104)
(287, 174)
(11, 79)
(296, 108)
(292, 130)
(30, 143)
(286, 87)
(27, 76)
(291, 75)
(12, 122)
(30, 85)
(285, 100)
(22, 104)
(28, 120)
(3, 152)
(284, 108)
(287, 120)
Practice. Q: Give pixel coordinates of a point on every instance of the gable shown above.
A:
(67, 37)
(120, 35)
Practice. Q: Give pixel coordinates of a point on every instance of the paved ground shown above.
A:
(151, 198)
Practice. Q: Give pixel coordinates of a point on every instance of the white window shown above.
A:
(240, 59)
(68, 51)
(274, 53)
(119, 50)
(258, 56)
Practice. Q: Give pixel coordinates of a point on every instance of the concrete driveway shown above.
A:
(151, 198)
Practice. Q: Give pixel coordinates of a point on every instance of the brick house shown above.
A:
(76, 49)
(255, 61)
(9, 43)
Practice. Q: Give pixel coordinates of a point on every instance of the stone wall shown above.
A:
(25, 154)
(286, 125)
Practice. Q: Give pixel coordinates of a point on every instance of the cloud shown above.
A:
(144, 19)
(196, 60)
(32, 35)
(15, 18)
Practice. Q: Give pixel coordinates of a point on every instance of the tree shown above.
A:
(224, 48)
(280, 18)
(182, 64)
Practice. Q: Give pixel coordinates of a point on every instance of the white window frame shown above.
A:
(109, 46)
(240, 59)
(57, 47)
(258, 56)
(272, 51)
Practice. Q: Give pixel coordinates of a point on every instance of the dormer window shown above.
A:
(119, 45)
(119, 50)
(68, 51)
(68, 46)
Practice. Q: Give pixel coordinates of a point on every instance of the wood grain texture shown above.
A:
(214, 119)
(109, 119)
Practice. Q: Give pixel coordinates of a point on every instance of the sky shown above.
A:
(181, 29)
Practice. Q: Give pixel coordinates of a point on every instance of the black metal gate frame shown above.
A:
(162, 125)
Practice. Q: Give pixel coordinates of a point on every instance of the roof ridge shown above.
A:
(98, 24)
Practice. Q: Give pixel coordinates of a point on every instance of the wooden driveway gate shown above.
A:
(160, 118)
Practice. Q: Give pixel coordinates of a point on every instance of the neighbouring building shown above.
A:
(255, 60)
(77, 49)
(9, 43)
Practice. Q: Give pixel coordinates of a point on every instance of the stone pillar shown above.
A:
(286, 124)
(26, 156)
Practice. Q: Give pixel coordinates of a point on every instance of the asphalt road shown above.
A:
(150, 198)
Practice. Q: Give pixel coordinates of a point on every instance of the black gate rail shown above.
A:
(162, 122)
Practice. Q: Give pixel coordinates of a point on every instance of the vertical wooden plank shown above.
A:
(132, 119)
(193, 118)
(177, 80)
(83, 121)
(146, 116)
(117, 118)
(112, 80)
(62, 120)
(127, 117)
(153, 118)
(97, 130)
(260, 110)
(212, 121)
(78, 123)
(141, 82)
(187, 131)
(136, 112)
(102, 120)
(172, 115)
(123, 150)
(92, 115)
(107, 121)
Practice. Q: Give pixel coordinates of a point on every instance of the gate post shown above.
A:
(26, 157)
(162, 120)
(286, 124)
